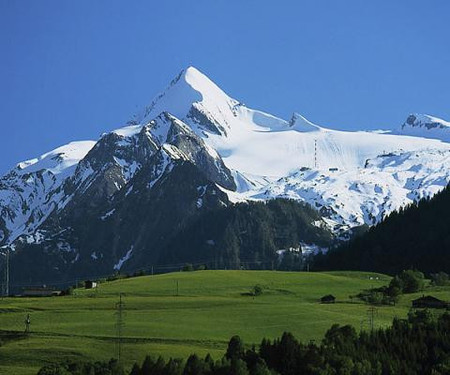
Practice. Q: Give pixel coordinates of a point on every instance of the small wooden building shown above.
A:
(40, 292)
(429, 302)
(89, 284)
(329, 298)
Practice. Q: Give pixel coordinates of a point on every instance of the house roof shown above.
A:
(428, 299)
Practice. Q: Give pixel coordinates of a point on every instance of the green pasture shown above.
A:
(181, 313)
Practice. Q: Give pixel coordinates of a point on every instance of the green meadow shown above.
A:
(181, 313)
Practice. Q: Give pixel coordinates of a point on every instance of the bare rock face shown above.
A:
(423, 121)
(131, 191)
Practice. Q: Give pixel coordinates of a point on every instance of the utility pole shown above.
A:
(315, 154)
(177, 289)
(372, 310)
(27, 324)
(7, 273)
(5, 291)
(119, 326)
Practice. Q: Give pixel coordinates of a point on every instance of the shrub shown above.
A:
(188, 267)
(257, 290)
(440, 279)
(408, 281)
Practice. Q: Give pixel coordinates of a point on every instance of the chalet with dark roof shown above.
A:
(429, 302)
(329, 298)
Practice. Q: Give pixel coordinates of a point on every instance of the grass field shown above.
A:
(209, 308)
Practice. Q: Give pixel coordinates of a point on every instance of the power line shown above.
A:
(372, 312)
(119, 326)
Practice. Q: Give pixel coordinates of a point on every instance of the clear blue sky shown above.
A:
(70, 70)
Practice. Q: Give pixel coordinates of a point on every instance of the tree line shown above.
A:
(417, 236)
(418, 345)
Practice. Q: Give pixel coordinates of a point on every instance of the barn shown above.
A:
(89, 284)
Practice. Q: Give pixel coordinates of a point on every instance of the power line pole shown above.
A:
(372, 310)
(27, 324)
(7, 273)
(5, 284)
(315, 154)
(119, 326)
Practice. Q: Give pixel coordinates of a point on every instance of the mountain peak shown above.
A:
(426, 126)
(191, 75)
(193, 72)
(425, 121)
(190, 87)
(301, 124)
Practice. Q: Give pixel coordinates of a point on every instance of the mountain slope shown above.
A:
(30, 191)
(125, 197)
(354, 197)
(415, 237)
(265, 152)
(121, 201)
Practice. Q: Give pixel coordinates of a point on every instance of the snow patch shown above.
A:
(76, 259)
(126, 257)
(108, 214)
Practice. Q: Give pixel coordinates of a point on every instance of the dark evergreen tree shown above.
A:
(135, 370)
(238, 367)
(173, 367)
(147, 365)
(195, 366)
(235, 349)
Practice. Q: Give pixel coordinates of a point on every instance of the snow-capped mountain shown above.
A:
(343, 174)
(426, 126)
(194, 148)
(32, 190)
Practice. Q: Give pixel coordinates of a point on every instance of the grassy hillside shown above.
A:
(210, 307)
